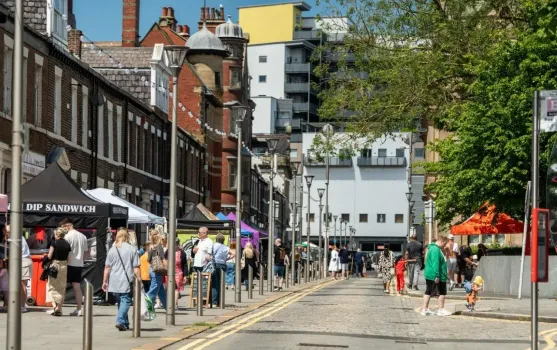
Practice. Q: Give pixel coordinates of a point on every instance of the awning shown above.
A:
(200, 216)
(482, 223)
(136, 214)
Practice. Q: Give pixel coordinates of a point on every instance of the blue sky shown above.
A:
(101, 20)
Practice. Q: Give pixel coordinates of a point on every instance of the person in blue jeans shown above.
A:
(219, 255)
(157, 288)
(122, 264)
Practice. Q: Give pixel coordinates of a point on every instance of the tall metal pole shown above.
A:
(271, 224)
(319, 261)
(307, 237)
(535, 200)
(524, 234)
(88, 317)
(170, 302)
(431, 214)
(327, 220)
(335, 240)
(16, 218)
(238, 267)
(294, 219)
(410, 141)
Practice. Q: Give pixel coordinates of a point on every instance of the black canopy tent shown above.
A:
(195, 219)
(52, 196)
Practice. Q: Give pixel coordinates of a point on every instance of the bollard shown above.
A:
(250, 282)
(261, 272)
(88, 317)
(300, 277)
(222, 289)
(287, 277)
(199, 293)
(137, 288)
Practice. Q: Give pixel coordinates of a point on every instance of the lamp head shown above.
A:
(320, 192)
(174, 56)
(272, 144)
(295, 167)
(309, 180)
(408, 196)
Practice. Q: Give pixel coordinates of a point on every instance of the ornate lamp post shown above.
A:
(328, 131)
(309, 180)
(174, 57)
(410, 205)
(335, 217)
(295, 171)
(272, 144)
(321, 192)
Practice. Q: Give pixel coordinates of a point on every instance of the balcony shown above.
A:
(372, 162)
(297, 67)
(303, 107)
(337, 56)
(310, 35)
(299, 88)
(283, 123)
(334, 162)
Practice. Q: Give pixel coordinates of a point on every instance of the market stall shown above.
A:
(3, 208)
(254, 234)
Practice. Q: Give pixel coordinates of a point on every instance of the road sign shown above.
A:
(548, 108)
(540, 245)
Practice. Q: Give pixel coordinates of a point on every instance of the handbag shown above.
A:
(124, 267)
(158, 264)
(210, 266)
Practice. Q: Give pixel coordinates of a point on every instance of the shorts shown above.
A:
(279, 271)
(434, 289)
(26, 269)
(451, 264)
(344, 266)
(74, 274)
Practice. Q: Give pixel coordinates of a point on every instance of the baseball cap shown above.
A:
(450, 236)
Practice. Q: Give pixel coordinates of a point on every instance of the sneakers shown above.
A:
(120, 327)
(452, 285)
(23, 309)
(443, 312)
(76, 312)
(50, 312)
(427, 312)
(158, 306)
(415, 288)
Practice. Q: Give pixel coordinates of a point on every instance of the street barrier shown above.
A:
(261, 278)
(199, 294)
(137, 295)
(250, 282)
(88, 317)
(287, 277)
(222, 287)
(300, 277)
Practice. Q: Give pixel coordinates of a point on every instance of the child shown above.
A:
(144, 267)
(400, 267)
(4, 282)
(472, 290)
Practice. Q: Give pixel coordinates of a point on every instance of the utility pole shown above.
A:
(240, 115)
(309, 180)
(272, 145)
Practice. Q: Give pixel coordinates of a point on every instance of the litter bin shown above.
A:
(38, 287)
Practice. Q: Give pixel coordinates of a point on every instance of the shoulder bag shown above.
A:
(125, 272)
(210, 265)
(158, 263)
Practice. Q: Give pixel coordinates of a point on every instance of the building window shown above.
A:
(119, 133)
(74, 111)
(400, 152)
(110, 131)
(345, 217)
(293, 153)
(381, 218)
(365, 153)
(156, 158)
(363, 217)
(85, 117)
(262, 78)
(217, 79)
(7, 180)
(38, 88)
(232, 168)
(145, 143)
(419, 153)
(311, 217)
(399, 218)
(58, 101)
(100, 132)
(24, 98)
(382, 152)
(235, 78)
(58, 18)
(262, 59)
(160, 91)
(8, 76)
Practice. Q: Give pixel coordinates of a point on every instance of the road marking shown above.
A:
(234, 328)
(549, 340)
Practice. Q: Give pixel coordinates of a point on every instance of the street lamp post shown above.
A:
(272, 145)
(309, 180)
(240, 115)
(328, 131)
(409, 198)
(350, 237)
(295, 170)
(335, 217)
(345, 231)
(321, 192)
(174, 57)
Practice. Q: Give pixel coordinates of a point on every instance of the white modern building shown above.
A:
(367, 190)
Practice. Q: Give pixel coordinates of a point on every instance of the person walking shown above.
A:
(202, 250)
(78, 243)
(58, 256)
(435, 274)
(26, 266)
(344, 259)
(280, 259)
(180, 271)
(156, 251)
(451, 252)
(220, 255)
(334, 263)
(386, 267)
(359, 262)
(230, 276)
(413, 255)
(144, 266)
(122, 264)
(248, 259)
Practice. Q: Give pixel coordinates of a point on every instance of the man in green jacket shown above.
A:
(435, 274)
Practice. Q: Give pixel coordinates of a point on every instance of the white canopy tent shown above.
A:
(136, 215)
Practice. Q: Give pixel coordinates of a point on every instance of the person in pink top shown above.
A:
(4, 283)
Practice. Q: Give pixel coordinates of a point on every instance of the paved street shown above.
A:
(355, 314)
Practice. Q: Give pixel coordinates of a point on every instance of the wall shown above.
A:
(264, 115)
(363, 190)
(273, 69)
(268, 24)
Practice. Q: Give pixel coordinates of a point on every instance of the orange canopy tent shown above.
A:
(482, 223)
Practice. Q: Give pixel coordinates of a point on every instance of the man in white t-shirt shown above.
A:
(26, 266)
(202, 250)
(451, 254)
(78, 243)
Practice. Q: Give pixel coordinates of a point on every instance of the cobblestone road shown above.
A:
(355, 314)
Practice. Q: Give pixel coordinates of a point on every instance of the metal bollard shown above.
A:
(222, 289)
(300, 277)
(250, 282)
(287, 276)
(261, 274)
(137, 288)
(88, 317)
(199, 294)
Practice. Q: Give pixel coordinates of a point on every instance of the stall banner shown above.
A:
(57, 208)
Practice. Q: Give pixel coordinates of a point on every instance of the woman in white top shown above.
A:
(334, 265)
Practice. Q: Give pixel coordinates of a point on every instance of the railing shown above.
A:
(283, 123)
(305, 107)
(299, 87)
(309, 35)
(297, 67)
(381, 161)
(333, 162)
(336, 56)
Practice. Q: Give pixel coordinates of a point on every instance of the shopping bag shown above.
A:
(147, 308)
(364, 271)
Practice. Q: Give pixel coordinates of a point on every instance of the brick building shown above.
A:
(101, 134)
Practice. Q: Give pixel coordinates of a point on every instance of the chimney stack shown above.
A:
(74, 42)
(212, 13)
(179, 29)
(211, 18)
(130, 23)
(164, 12)
(184, 31)
(221, 12)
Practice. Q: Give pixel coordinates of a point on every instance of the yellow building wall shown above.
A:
(268, 24)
